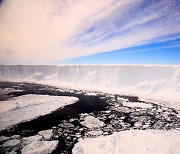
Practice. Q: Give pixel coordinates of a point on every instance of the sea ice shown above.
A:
(132, 142)
(137, 104)
(40, 147)
(47, 134)
(92, 122)
(11, 143)
(28, 107)
(28, 140)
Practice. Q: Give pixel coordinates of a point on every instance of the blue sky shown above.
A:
(89, 31)
(155, 53)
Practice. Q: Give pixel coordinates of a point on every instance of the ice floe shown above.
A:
(132, 142)
(28, 107)
(92, 122)
(137, 104)
(40, 147)
(47, 134)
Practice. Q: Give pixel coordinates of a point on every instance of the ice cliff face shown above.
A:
(161, 82)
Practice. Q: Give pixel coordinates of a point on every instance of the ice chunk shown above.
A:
(11, 143)
(4, 138)
(137, 104)
(29, 107)
(92, 122)
(40, 147)
(95, 133)
(47, 134)
(12, 152)
(132, 142)
(28, 140)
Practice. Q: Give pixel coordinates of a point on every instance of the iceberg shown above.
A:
(160, 82)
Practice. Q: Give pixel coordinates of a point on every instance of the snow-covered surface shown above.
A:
(172, 104)
(36, 144)
(28, 107)
(95, 133)
(6, 90)
(132, 142)
(137, 104)
(3, 138)
(28, 140)
(47, 134)
(157, 82)
(91, 94)
(12, 142)
(92, 122)
(40, 147)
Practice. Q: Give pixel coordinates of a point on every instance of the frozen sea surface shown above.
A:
(132, 142)
(28, 107)
(95, 114)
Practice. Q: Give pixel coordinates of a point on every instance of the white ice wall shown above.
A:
(159, 82)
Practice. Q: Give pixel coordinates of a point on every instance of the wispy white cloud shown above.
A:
(44, 31)
(155, 48)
